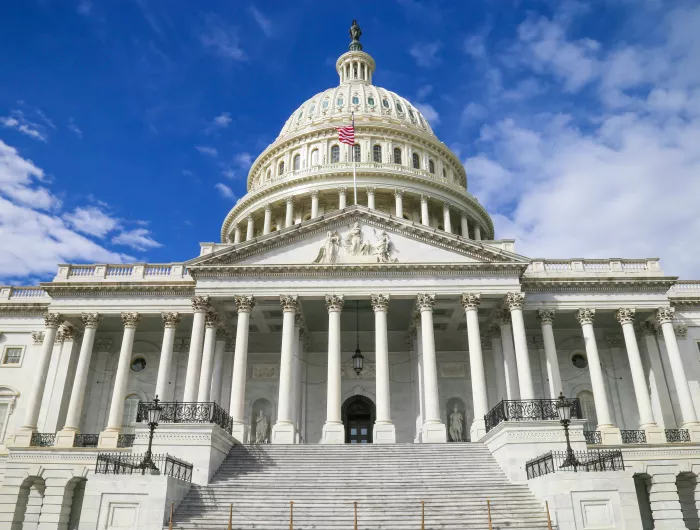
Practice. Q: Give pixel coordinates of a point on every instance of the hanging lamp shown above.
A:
(358, 359)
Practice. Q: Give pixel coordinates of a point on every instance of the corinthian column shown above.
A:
(283, 429)
(515, 302)
(66, 436)
(245, 305)
(267, 220)
(170, 322)
(398, 194)
(608, 431)
(510, 367)
(342, 198)
(314, 204)
(446, 221)
(433, 428)
(546, 317)
(471, 302)
(110, 436)
(212, 322)
(424, 214)
(625, 316)
(218, 375)
(384, 430)
(689, 417)
(289, 213)
(249, 233)
(333, 429)
(370, 198)
(200, 306)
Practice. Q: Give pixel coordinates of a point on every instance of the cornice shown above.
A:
(95, 289)
(37, 309)
(658, 285)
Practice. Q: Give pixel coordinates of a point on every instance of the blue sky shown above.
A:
(127, 127)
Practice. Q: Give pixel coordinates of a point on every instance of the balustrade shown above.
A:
(528, 410)
(194, 412)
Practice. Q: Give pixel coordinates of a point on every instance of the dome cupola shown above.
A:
(355, 65)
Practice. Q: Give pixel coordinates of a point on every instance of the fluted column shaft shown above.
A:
(602, 409)
(446, 221)
(499, 363)
(121, 379)
(267, 222)
(333, 404)
(665, 318)
(370, 198)
(522, 355)
(245, 305)
(205, 375)
(477, 233)
(236, 235)
(289, 213)
(200, 306)
(471, 302)
(380, 304)
(218, 375)
(170, 321)
(546, 317)
(342, 198)
(510, 368)
(433, 428)
(249, 233)
(314, 204)
(465, 226)
(398, 194)
(75, 407)
(424, 214)
(296, 374)
(290, 306)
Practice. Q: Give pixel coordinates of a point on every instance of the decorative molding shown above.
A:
(16, 310)
(52, 320)
(452, 370)
(471, 300)
(625, 315)
(67, 333)
(170, 320)
(289, 303)
(681, 331)
(38, 337)
(546, 316)
(515, 301)
(587, 284)
(585, 316)
(647, 328)
(426, 302)
(130, 320)
(664, 315)
(334, 302)
(212, 319)
(265, 371)
(244, 304)
(200, 304)
(91, 320)
(380, 302)
(102, 289)
(503, 317)
(103, 345)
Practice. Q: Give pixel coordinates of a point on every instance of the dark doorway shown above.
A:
(358, 418)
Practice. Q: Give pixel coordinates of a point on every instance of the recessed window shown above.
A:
(335, 154)
(314, 157)
(269, 174)
(410, 113)
(431, 166)
(579, 360)
(355, 100)
(297, 162)
(377, 153)
(385, 102)
(324, 104)
(416, 161)
(356, 153)
(312, 108)
(399, 107)
(12, 355)
(138, 364)
(340, 102)
(280, 168)
(397, 155)
(300, 115)
(370, 100)
(444, 173)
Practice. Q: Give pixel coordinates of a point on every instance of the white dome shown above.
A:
(368, 102)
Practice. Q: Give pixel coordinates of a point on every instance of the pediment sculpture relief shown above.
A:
(355, 248)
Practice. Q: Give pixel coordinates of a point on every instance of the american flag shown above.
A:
(346, 135)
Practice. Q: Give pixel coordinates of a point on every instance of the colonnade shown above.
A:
(509, 347)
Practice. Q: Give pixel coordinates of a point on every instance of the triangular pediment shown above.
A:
(357, 236)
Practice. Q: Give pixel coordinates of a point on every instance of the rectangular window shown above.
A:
(12, 355)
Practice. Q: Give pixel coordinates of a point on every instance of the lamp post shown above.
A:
(358, 360)
(154, 411)
(564, 411)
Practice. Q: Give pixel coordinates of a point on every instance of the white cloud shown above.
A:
(429, 113)
(264, 22)
(473, 112)
(223, 120)
(18, 121)
(224, 40)
(243, 160)
(475, 45)
(19, 180)
(137, 238)
(224, 190)
(91, 220)
(424, 92)
(206, 150)
(72, 126)
(425, 53)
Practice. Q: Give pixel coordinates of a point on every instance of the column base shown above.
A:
(238, 431)
(333, 433)
(66, 437)
(434, 432)
(610, 435)
(384, 433)
(477, 430)
(109, 439)
(693, 429)
(23, 438)
(654, 434)
(283, 433)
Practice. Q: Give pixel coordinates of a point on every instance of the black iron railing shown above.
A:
(178, 412)
(86, 440)
(593, 437)
(43, 439)
(633, 437)
(125, 440)
(677, 435)
(132, 464)
(528, 410)
(583, 461)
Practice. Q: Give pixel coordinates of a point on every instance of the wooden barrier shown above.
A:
(230, 517)
(549, 520)
(488, 507)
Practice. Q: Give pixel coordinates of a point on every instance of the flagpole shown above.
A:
(352, 154)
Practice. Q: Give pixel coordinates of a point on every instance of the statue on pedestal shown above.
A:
(261, 426)
(456, 424)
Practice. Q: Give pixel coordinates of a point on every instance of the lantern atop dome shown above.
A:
(355, 65)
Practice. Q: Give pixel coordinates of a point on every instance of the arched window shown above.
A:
(416, 161)
(588, 409)
(444, 173)
(297, 162)
(269, 174)
(431, 166)
(335, 154)
(314, 157)
(356, 153)
(355, 100)
(280, 168)
(131, 404)
(397, 155)
(377, 153)
(354, 72)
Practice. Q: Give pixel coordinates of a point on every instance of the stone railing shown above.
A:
(594, 267)
(22, 294)
(122, 272)
(685, 289)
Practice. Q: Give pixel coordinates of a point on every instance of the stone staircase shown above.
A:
(387, 481)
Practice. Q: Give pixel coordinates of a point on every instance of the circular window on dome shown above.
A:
(138, 364)
(340, 102)
(579, 360)
(325, 104)
(355, 100)
(385, 102)
(370, 100)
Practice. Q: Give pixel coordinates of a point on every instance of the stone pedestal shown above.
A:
(333, 433)
(693, 430)
(654, 434)
(283, 433)
(478, 430)
(384, 433)
(108, 439)
(610, 435)
(434, 432)
(23, 438)
(65, 438)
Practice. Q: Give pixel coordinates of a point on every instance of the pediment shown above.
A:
(357, 236)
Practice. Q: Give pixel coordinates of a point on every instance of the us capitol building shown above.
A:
(388, 314)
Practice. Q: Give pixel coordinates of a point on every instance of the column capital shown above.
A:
(53, 320)
(665, 314)
(289, 303)
(67, 332)
(503, 317)
(334, 302)
(370, 190)
(342, 190)
(471, 300)
(515, 300)
(212, 320)
(424, 199)
(268, 208)
(91, 320)
(38, 337)
(249, 217)
(130, 320)
(290, 199)
(314, 194)
(170, 320)
(426, 302)
(625, 315)
(398, 193)
(200, 303)
(445, 207)
(646, 328)
(380, 302)
(463, 215)
(244, 304)
(546, 316)
(585, 316)
(681, 331)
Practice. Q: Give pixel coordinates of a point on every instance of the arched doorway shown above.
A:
(358, 415)
(588, 409)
